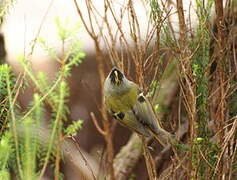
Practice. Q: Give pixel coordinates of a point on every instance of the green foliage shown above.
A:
(28, 151)
(6, 155)
(156, 12)
(68, 36)
(32, 148)
(50, 50)
(4, 7)
(5, 150)
(65, 32)
(200, 64)
(204, 153)
(5, 72)
(200, 45)
(73, 128)
(24, 142)
(153, 87)
(4, 174)
(168, 38)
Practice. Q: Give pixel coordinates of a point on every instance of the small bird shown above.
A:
(126, 103)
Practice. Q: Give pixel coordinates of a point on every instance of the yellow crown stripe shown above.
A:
(116, 77)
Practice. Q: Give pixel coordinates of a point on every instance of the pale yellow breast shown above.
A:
(122, 102)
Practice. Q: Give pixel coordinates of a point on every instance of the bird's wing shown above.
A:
(145, 115)
(129, 120)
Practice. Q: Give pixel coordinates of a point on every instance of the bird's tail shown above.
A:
(167, 139)
(164, 137)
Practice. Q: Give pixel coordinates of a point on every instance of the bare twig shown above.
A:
(150, 164)
(83, 157)
(100, 66)
(96, 124)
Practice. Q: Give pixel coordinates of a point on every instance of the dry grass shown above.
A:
(205, 62)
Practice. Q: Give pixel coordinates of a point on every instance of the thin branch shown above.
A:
(101, 131)
(150, 164)
(83, 157)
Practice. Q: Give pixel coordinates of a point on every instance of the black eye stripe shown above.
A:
(121, 115)
(141, 99)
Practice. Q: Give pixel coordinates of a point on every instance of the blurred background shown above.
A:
(119, 33)
(27, 20)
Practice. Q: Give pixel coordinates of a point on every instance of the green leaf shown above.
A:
(72, 129)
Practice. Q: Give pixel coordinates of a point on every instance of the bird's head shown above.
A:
(116, 76)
